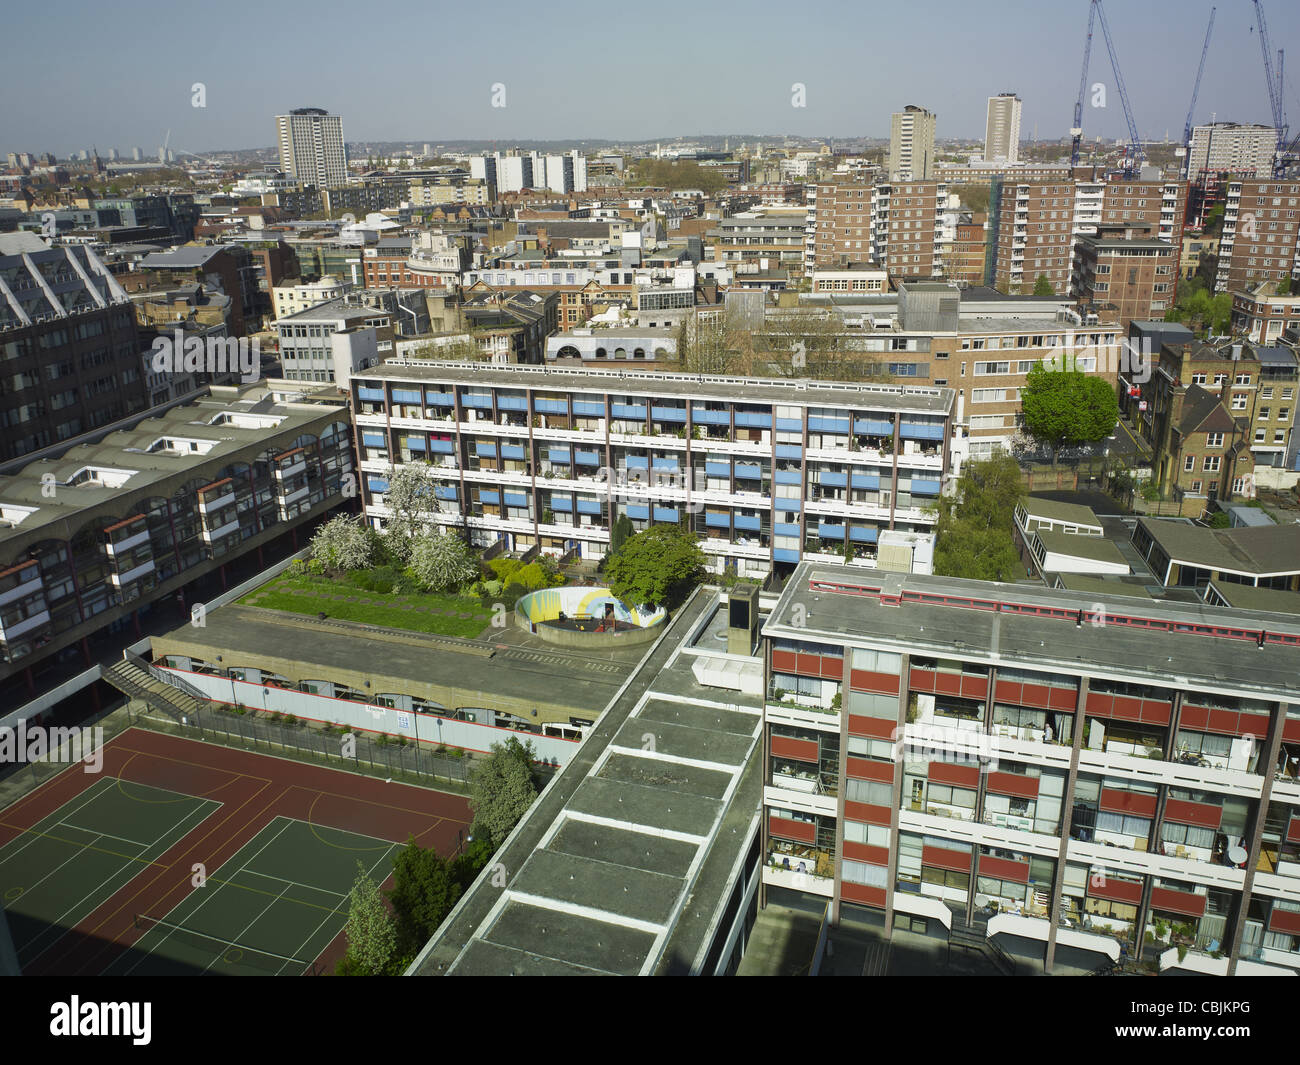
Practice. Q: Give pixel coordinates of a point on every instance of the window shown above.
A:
(1214, 440)
(1264, 413)
(1239, 401)
(1189, 464)
(1211, 464)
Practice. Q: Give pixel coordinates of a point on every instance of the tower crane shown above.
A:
(1134, 153)
(1196, 89)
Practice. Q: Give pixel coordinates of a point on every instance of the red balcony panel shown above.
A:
(1253, 725)
(869, 814)
(947, 684)
(809, 665)
(785, 662)
(1194, 717)
(1126, 708)
(1156, 711)
(803, 750)
(1204, 815)
(1038, 695)
(1114, 801)
(962, 776)
(882, 683)
(974, 688)
(1293, 830)
(861, 852)
(798, 831)
(1223, 722)
(1004, 869)
(1062, 698)
(864, 769)
(1013, 784)
(1291, 730)
(942, 858)
(1109, 887)
(1100, 704)
(1284, 921)
(922, 680)
(832, 668)
(1008, 691)
(877, 728)
(1183, 902)
(861, 894)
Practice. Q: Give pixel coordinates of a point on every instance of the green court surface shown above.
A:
(271, 909)
(57, 872)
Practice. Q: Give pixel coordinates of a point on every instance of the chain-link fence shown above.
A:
(338, 747)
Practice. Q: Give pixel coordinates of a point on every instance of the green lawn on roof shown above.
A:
(308, 595)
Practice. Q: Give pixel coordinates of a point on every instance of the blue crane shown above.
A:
(1274, 83)
(1134, 154)
(1196, 90)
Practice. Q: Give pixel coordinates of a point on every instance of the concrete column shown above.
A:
(1067, 811)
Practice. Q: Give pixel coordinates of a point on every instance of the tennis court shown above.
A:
(184, 857)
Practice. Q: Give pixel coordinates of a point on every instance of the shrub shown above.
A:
(316, 567)
(297, 568)
(533, 577)
(513, 593)
(505, 568)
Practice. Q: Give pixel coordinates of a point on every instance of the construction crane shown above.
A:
(1133, 155)
(1274, 83)
(1196, 90)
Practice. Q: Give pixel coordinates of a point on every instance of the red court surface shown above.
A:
(252, 790)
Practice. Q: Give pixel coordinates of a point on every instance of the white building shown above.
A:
(1002, 130)
(1245, 150)
(311, 147)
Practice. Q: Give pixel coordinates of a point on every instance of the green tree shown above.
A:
(424, 892)
(501, 789)
(619, 533)
(1065, 407)
(658, 566)
(372, 937)
(973, 533)
(442, 562)
(1043, 287)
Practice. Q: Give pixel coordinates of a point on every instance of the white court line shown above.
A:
(211, 894)
(265, 910)
(35, 832)
(296, 883)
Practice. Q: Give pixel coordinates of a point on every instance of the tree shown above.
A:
(973, 534)
(372, 937)
(619, 534)
(501, 789)
(810, 342)
(1043, 287)
(344, 543)
(424, 892)
(1064, 407)
(410, 500)
(442, 562)
(657, 566)
(710, 346)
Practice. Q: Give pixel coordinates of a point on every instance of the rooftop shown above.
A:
(1052, 510)
(1266, 549)
(1095, 548)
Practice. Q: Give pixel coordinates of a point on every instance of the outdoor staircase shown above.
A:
(136, 679)
(975, 940)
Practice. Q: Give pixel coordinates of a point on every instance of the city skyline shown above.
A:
(852, 81)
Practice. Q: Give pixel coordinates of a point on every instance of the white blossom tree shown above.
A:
(443, 562)
(343, 543)
(410, 498)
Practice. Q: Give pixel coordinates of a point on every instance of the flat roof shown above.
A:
(741, 389)
(1267, 600)
(1258, 549)
(1051, 509)
(1115, 650)
(1096, 548)
(625, 863)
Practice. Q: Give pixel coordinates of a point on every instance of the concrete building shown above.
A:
(763, 471)
(292, 298)
(311, 147)
(93, 538)
(1002, 129)
(911, 145)
(70, 345)
(332, 340)
(931, 764)
(1261, 224)
(1243, 150)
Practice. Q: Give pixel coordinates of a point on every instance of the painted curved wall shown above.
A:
(547, 604)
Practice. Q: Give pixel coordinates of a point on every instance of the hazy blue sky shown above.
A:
(73, 74)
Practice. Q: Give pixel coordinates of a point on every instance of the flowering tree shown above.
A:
(343, 543)
(410, 498)
(442, 562)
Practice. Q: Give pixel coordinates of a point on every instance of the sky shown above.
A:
(76, 73)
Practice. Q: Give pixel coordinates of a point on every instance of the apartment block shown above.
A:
(911, 144)
(1002, 128)
(1128, 269)
(321, 343)
(764, 472)
(969, 250)
(1244, 150)
(1261, 223)
(913, 226)
(69, 345)
(772, 240)
(92, 539)
(311, 147)
(1031, 228)
(932, 765)
(1261, 315)
(840, 223)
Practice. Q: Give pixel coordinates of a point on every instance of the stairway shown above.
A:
(136, 682)
(974, 939)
